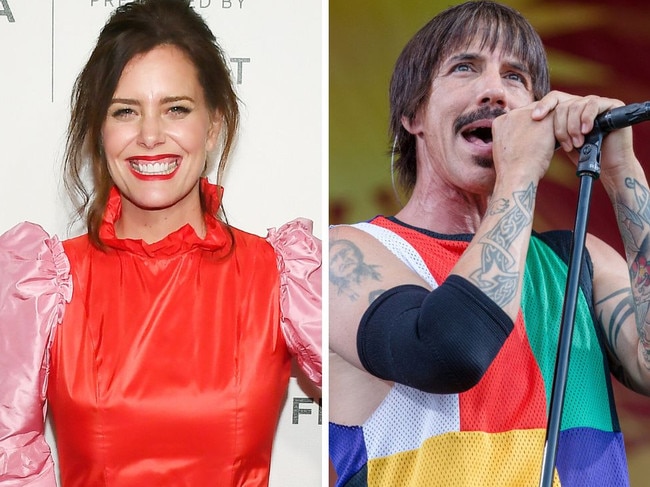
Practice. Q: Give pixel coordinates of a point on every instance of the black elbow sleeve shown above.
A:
(439, 341)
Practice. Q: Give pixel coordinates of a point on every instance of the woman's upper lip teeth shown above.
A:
(153, 158)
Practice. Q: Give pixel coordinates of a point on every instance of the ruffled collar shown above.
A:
(178, 242)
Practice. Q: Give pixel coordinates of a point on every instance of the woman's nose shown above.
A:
(151, 131)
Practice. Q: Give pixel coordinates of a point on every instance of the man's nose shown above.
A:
(491, 89)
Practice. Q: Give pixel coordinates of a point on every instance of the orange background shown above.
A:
(597, 47)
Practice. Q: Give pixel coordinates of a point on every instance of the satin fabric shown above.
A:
(298, 255)
(35, 285)
(169, 368)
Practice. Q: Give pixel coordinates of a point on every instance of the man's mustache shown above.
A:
(484, 112)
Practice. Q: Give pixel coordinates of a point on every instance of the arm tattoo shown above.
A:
(348, 269)
(623, 307)
(621, 312)
(634, 224)
(498, 206)
(498, 277)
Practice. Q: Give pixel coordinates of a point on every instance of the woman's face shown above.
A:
(158, 131)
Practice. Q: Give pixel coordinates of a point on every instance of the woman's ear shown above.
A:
(214, 130)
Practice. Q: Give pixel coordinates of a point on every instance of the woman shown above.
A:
(169, 364)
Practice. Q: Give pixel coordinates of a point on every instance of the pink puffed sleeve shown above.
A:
(299, 258)
(35, 284)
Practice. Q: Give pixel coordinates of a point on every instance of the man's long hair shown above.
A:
(492, 25)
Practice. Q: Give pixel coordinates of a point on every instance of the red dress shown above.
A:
(169, 367)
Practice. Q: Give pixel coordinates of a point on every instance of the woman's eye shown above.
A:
(179, 110)
(122, 112)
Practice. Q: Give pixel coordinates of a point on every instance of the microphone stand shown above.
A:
(588, 170)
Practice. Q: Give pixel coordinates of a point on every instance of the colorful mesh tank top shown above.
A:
(493, 434)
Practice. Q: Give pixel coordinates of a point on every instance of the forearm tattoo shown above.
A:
(634, 223)
(498, 276)
(348, 270)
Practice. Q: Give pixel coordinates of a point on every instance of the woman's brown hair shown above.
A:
(135, 29)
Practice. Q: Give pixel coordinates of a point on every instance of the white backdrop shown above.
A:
(275, 48)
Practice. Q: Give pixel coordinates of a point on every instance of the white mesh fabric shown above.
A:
(401, 249)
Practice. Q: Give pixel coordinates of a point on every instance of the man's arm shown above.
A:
(384, 319)
(622, 286)
(413, 336)
(621, 290)
(360, 269)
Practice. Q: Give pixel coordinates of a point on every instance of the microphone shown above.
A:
(618, 118)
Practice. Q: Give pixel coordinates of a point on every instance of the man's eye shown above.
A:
(464, 67)
(516, 77)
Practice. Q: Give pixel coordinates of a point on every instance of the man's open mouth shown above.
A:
(481, 133)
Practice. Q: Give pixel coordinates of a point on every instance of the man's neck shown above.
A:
(446, 210)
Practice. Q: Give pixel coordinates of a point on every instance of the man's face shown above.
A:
(453, 129)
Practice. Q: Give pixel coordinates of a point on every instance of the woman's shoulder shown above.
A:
(34, 263)
(292, 240)
(28, 241)
(299, 260)
(78, 242)
(76, 248)
(250, 244)
(294, 237)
